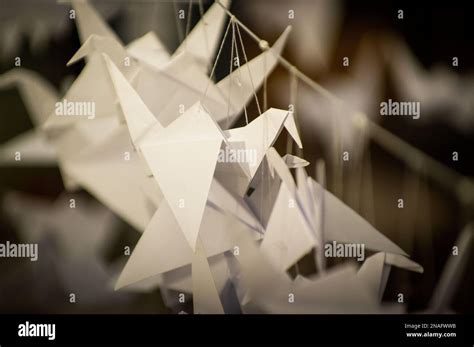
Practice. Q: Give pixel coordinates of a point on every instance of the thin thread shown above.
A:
(461, 186)
(293, 92)
(232, 20)
(265, 102)
(215, 62)
(240, 75)
(248, 68)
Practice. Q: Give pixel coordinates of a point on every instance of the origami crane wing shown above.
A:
(38, 95)
(342, 224)
(172, 158)
(376, 269)
(89, 22)
(261, 133)
(39, 98)
(33, 148)
(205, 295)
(163, 246)
(114, 180)
(139, 119)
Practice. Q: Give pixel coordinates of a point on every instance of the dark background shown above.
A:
(434, 31)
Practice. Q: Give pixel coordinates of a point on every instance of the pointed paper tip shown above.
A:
(83, 51)
(286, 32)
(225, 3)
(290, 126)
(119, 284)
(279, 44)
(74, 58)
(122, 281)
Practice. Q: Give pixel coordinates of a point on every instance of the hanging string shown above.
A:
(215, 62)
(460, 185)
(232, 21)
(248, 68)
(240, 75)
(265, 101)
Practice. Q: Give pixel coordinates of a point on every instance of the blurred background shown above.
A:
(406, 56)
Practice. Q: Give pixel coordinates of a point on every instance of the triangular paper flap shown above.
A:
(182, 85)
(163, 247)
(172, 158)
(38, 95)
(259, 134)
(255, 273)
(290, 126)
(139, 119)
(342, 224)
(195, 124)
(180, 279)
(100, 45)
(205, 296)
(294, 162)
(262, 192)
(402, 262)
(89, 22)
(287, 237)
(82, 138)
(91, 91)
(190, 91)
(172, 164)
(151, 255)
(376, 269)
(97, 170)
